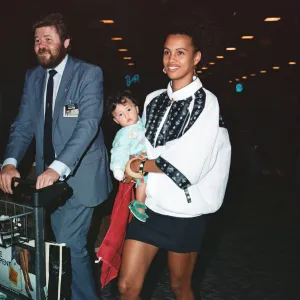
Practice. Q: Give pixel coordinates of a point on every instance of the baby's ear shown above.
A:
(116, 121)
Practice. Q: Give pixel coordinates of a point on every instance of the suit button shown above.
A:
(42, 157)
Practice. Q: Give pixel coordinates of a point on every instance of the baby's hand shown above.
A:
(119, 174)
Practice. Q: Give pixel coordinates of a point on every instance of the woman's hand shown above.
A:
(134, 166)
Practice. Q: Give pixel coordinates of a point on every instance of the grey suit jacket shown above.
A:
(78, 141)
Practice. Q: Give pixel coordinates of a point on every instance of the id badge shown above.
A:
(71, 111)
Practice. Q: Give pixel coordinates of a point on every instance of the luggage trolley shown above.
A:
(16, 228)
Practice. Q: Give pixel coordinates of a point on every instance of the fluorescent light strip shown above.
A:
(272, 19)
(247, 37)
(107, 21)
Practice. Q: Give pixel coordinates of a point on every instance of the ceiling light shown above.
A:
(204, 68)
(116, 39)
(237, 79)
(131, 64)
(122, 50)
(107, 21)
(212, 63)
(230, 81)
(127, 57)
(263, 71)
(292, 62)
(276, 68)
(272, 19)
(247, 37)
(244, 77)
(230, 48)
(252, 75)
(199, 71)
(220, 56)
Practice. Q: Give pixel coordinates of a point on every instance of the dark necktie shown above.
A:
(49, 153)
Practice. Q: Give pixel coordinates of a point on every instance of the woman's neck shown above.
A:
(179, 84)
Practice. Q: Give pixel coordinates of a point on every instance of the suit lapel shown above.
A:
(62, 91)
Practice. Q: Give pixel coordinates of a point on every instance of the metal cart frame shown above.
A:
(39, 199)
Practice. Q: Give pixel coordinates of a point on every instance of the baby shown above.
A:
(129, 141)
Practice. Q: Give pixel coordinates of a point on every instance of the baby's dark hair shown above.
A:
(119, 98)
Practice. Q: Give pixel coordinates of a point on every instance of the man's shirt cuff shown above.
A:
(9, 161)
(62, 169)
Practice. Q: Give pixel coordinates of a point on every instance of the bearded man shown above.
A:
(62, 105)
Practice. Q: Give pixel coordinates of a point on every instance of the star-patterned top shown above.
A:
(177, 123)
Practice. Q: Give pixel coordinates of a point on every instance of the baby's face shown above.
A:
(126, 114)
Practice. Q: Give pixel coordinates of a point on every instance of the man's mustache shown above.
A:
(43, 51)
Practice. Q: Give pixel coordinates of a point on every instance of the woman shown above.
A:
(188, 163)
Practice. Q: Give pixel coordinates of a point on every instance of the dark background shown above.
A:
(251, 250)
(265, 113)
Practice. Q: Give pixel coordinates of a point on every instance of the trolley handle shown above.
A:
(27, 182)
(44, 196)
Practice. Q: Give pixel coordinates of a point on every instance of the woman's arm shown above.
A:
(149, 166)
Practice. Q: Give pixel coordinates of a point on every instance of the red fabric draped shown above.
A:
(111, 248)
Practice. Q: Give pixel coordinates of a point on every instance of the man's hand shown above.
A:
(47, 178)
(6, 175)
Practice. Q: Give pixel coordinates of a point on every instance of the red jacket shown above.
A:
(111, 248)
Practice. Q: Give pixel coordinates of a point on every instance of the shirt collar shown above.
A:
(186, 91)
(61, 67)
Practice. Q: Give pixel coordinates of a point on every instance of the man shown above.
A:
(61, 107)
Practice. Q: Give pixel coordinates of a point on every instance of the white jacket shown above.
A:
(192, 148)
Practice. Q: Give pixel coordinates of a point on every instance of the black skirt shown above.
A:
(181, 235)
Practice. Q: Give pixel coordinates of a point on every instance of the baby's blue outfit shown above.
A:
(129, 140)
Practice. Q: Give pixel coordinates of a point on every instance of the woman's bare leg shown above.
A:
(181, 266)
(136, 259)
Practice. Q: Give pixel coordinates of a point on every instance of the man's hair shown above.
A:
(54, 20)
(119, 98)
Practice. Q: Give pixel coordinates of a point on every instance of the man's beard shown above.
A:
(55, 58)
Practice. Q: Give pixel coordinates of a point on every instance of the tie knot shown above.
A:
(52, 73)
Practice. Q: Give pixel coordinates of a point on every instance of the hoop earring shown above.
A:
(164, 70)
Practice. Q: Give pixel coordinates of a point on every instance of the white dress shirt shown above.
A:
(62, 169)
